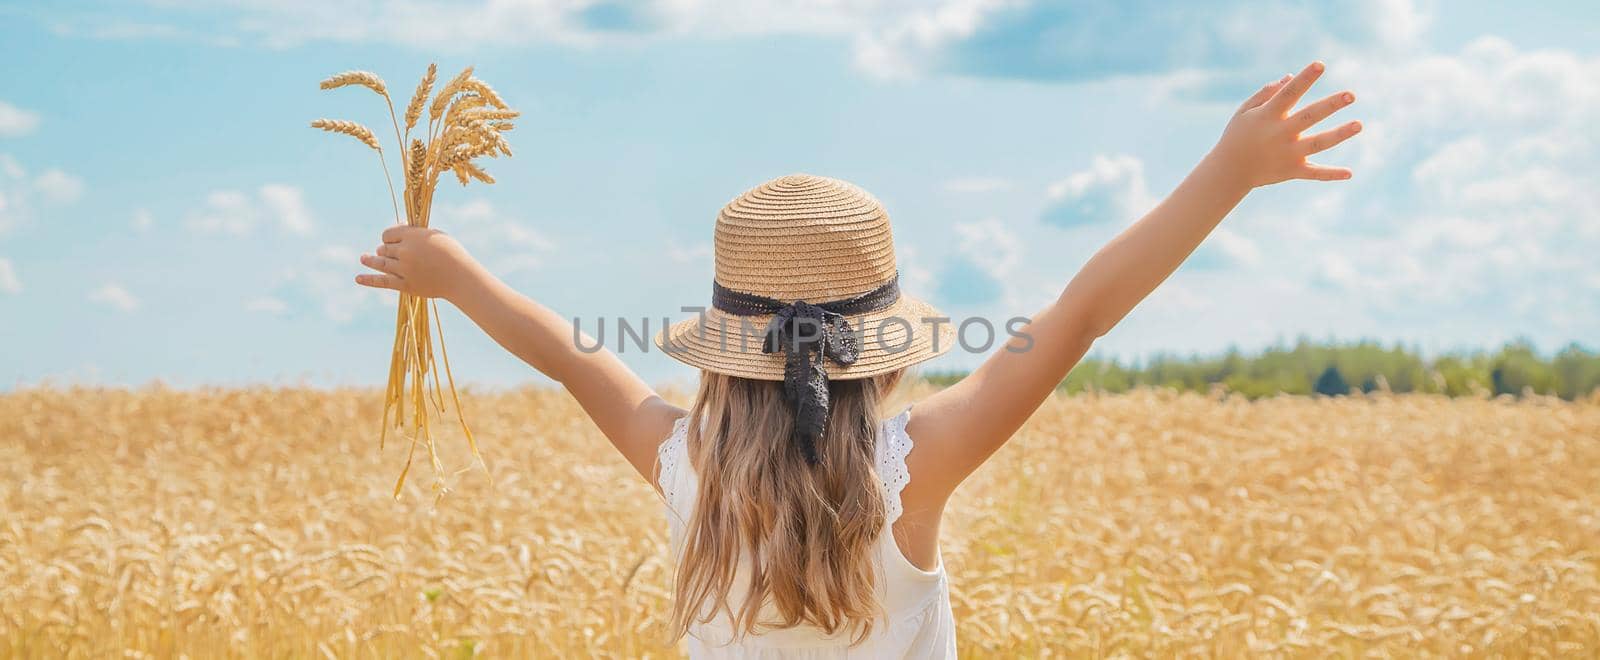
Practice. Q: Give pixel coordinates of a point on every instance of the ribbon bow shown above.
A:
(808, 336)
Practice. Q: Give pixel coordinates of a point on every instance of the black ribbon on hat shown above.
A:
(809, 335)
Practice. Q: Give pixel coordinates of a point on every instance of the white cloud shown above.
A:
(58, 186)
(9, 284)
(287, 206)
(1026, 39)
(1477, 185)
(904, 48)
(506, 245)
(326, 276)
(237, 213)
(11, 168)
(1238, 249)
(113, 295)
(15, 121)
(226, 212)
(143, 220)
(21, 196)
(979, 272)
(1113, 188)
(915, 276)
(1093, 39)
(990, 244)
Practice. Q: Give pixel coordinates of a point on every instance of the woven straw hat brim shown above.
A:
(811, 238)
(885, 347)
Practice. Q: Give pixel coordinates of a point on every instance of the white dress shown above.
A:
(918, 621)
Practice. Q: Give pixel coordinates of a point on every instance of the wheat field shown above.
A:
(259, 523)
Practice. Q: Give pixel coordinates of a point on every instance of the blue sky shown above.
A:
(165, 213)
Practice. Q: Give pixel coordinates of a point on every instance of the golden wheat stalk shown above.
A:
(366, 137)
(483, 89)
(349, 128)
(420, 98)
(365, 79)
(370, 81)
(447, 92)
(466, 120)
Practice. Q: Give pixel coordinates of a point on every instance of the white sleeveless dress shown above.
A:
(918, 622)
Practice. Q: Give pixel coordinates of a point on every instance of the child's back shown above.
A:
(916, 621)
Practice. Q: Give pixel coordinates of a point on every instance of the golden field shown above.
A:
(259, 523)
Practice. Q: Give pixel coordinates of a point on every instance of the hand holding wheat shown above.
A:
(467, 120)
(419, 261)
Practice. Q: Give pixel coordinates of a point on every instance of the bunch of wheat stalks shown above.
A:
(466, 120)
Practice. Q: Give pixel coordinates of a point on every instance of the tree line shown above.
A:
(1334, 369)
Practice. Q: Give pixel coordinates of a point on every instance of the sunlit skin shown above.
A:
(1266, 141)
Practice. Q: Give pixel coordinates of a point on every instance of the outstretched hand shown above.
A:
(1263, 143)
(420, 261)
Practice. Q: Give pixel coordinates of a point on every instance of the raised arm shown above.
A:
(958, 428)
(426, 262)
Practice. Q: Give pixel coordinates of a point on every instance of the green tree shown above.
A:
(1331, 383)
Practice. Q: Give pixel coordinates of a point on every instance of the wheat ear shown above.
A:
(365, 79)
(365, 135)
(446, 92)
(483, 89)
(370, 81)
(474, 171)
(349, 128)
(416, 171)
(419, 99)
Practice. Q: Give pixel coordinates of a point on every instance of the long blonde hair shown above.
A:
(809, 532)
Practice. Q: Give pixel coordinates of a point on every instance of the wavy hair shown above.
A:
(774, 542)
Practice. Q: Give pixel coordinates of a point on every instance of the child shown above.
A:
(802, 525)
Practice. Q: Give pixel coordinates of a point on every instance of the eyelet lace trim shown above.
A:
(894, 444)
(667, 453)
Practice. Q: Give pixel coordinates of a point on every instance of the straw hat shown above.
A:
(817, 240)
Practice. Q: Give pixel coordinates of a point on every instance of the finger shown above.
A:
(390, 250)
(1264, 93)
(1290, 93)
(1324, 172)
(395, 233)
(381, 264)
(1316, 112)
(380, 281)
(1330, 138)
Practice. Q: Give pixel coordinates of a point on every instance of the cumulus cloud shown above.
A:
(287, 206)
(16, 122)
(978, 273)
(1479, 183)
(507, 245)
(21, 195)
(143, 220)
(1112, 189)
(1072, 41)
(1225, 248)
(1028, 39)
(237, 213)
(113, 295)
(9, 284)
(910, 46)
(324, 277)
(58, 186)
